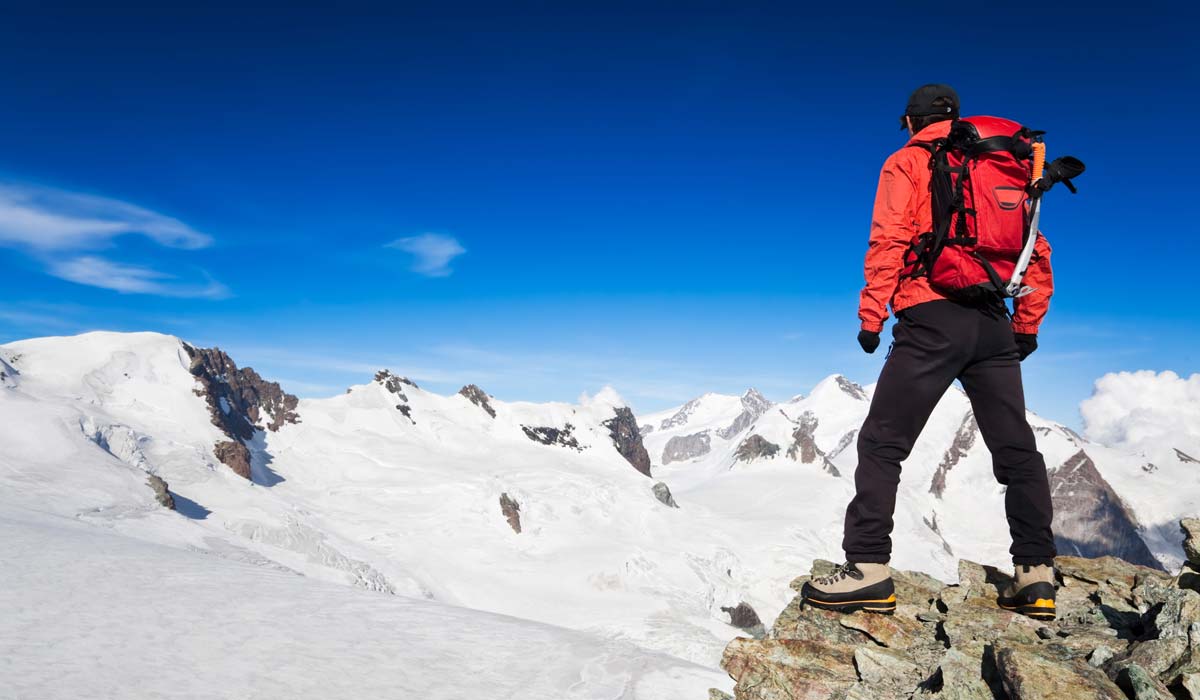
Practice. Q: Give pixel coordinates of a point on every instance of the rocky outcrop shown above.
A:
(1191, 540)
(1185, 457)
(395, 384)
(754, 405)
(563, 437)
(478, 397)
(846, 441)
(964, 440)
(804, 444)
(1124, 631)
(755, 447)
(745, 617)
(1090, 519)
(623, 430)
(851, 389)
(681, 416)
(645, 430)
(235, 455)
(240, 402)
(663, 493)
(161, 493)
(684, 447)
(511, 511)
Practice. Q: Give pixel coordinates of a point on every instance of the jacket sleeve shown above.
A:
(1029, 310)
(892, 230)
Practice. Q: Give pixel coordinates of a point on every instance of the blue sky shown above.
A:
(547, 198)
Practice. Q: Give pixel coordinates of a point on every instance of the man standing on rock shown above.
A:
(939, 340)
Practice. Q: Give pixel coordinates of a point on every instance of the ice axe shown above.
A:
(1044, 176)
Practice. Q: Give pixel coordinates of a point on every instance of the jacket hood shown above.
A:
(932, 132)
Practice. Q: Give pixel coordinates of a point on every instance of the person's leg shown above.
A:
(998, 399)
(933, 342)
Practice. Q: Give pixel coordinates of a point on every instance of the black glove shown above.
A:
(869, 340)
(1026, 344)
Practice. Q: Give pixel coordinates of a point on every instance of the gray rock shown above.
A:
(1100, 656)
(754, 405)
(1090, 519)
(1138, 684)
(804, 445)
(964, 440)
(755, 447)
(714, 694)
(478, 397)
(851, 389)
(744, 617)
(161, 494)
(663, 493)
(623, 430)
(561, 437)
(1191, 540)
(511, 511)
(684, 447)
(681, 416)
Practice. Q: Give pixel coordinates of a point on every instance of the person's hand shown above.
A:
(869, 340)
(1026, 344)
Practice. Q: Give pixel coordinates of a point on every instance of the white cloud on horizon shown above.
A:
(1143, 410)
(432, 253)
(130, 279)
(54, 226)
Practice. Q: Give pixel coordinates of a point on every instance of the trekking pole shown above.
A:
(1014, 288)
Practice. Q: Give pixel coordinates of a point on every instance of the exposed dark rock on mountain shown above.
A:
(394, 383)
(1124, 631)
(645, 430)
(240, 402)
(804, 445)
(754, 405)
(684, 447)
(1089, 517)
(235, 455)
(663, 493)
(512, 512)
(681, 416)
(852, 389)
(250, 402)
(1185, 457)
(161, 493)
(964, 440)
(478, 397)
(623, 430)
(562, 437)
(755, 447)
(744, 617)
(846, 441)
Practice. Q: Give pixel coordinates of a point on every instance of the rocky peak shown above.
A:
(1090, 519)
(394, 382)
(547, 435)
(851, 389)
(478, 397)
(240, 402)
(681, 416)
(1185, 457)
(1124, 632)
(623, 430)
(754, 405)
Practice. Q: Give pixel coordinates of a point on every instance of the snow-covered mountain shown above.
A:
(543, 512)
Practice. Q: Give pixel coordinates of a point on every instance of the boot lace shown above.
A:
(846, 570)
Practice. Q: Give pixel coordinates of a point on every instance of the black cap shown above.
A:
(920, 104)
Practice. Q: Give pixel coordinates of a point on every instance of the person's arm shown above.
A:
(891, 233)
(1029, 310)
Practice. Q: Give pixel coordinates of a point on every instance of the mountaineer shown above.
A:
(953, 235)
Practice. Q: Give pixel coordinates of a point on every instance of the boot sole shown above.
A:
(887, 606)
(1043, 609)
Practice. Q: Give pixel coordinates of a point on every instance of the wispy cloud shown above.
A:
(432, 252)
(56, 227)
(130, 279)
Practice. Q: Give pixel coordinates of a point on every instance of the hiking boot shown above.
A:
(853, 587)
(1031, 592)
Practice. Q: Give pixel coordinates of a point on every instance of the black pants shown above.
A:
(936, 343)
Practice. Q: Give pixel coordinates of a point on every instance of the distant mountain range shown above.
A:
(549, 512)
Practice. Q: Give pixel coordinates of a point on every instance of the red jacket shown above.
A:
(902, 211)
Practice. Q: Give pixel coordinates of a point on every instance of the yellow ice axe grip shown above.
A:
(1039, 160)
